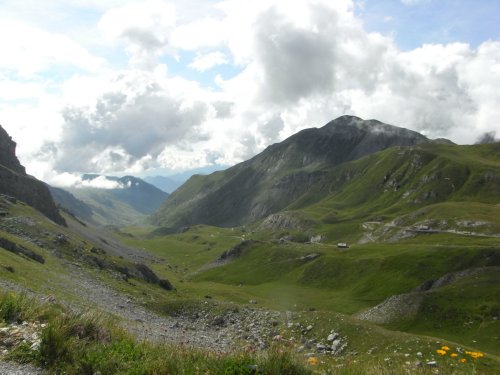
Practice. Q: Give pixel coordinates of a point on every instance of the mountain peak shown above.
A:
(273, 179)
(350, 123)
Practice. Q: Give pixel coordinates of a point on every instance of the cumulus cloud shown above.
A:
(132, 120)
(311, 69)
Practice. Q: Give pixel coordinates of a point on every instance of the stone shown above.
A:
(335, 345)
(332, 336)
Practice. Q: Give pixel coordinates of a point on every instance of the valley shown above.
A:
(242, 269)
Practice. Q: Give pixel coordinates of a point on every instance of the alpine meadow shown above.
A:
(266, 187)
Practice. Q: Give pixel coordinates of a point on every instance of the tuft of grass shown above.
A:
(15, 308)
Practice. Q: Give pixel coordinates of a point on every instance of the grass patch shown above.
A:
(86, 344)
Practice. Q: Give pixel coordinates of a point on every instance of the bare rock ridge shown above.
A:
(15, 182)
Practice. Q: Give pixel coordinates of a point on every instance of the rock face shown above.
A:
(279, 175)
(8, 153)
(15, 182)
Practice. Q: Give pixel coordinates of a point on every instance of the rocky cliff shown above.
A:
(15, 182)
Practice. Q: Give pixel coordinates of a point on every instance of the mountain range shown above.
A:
(125, 200)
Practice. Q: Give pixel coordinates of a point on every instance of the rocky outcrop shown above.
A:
(8, 153)
(407, 306)
(236, 251)
(15, 182)
(137, 271)
(286, 220)
(20, 250)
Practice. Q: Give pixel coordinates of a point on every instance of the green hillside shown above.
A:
(279, 175)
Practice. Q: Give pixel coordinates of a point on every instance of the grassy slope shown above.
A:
(53, 277)
(344, 281)
(398, 181)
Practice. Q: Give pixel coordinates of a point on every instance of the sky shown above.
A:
(151, 87)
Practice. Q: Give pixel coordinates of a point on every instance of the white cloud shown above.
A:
(11, 90)
(202, 33)
(144, 27)
(134, 116)
(27, 50)
(71, 180)
(295, 64)
(208, 61)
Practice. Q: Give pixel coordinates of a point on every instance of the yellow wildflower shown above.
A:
(463, 360)
(313, 361)
(441, 352)
(453, 355)
(445, 348)
(475, 355)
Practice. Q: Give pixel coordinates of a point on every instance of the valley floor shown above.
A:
(300, 296)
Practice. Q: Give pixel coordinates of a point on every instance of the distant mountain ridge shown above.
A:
(171, 182)
(139, 194)
(279, 175)
(15, 182)
(125, 201)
